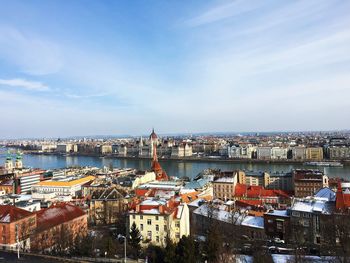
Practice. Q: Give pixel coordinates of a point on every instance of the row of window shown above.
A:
(141, 217)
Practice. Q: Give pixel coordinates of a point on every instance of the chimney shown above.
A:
(161, 209)
(137, 208)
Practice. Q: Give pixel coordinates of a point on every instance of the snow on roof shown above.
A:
(153, 202)
(235, 217)
(280, 258)
(225, 180)
(278, 213)
(197, 202)
(312, 205)
(153, 211)
(326, 193)
(253, 221)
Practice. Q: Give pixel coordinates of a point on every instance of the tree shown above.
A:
(155, 254)
(185, 250)
(170, 251)
(213, 244)
(135, 238)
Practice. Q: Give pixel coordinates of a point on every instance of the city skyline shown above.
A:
(105, 67)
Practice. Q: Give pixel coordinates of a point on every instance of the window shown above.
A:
(133, 216)
(149, 235)
(141, 217)
(178, 235)
(165, 228)
(157, 217)
(296, 214)
(157, 227)
(149, 222)
(270, 221)
(157, 238)
(141, 227)
(177, 224)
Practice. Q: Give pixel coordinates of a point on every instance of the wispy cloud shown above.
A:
(87, 96)
(222, 12)
(25, 84)
(33, 54)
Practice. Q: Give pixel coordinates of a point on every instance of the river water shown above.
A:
(172, 167)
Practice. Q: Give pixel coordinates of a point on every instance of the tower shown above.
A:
(18, 163)
(140, 146)
(153, 138)
(156, 168)
(8, 162)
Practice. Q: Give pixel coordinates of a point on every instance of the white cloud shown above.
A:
(225, 11)
(26, 84)
(34, 55)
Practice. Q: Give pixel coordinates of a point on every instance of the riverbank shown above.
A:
(188, 159)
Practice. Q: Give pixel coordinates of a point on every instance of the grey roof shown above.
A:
(326, 193)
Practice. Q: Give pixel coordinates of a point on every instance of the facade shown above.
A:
(278, 153)
(264, 152)
(306, 217)
(299, 153)
(308, 182)
(58, 226)
(65, 148)
(105, 206)
(159, 219)
(143, 178)
(25, 181)
(279, 180)
(339, 152)
(241, 151)
(66, 187)
(223, 188)
(16, 226)
(182, 150)
(277, 224)
(314, 153)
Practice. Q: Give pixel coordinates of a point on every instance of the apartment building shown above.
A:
(308, 182)
(67, 186)
(314, 153)
(158, 219)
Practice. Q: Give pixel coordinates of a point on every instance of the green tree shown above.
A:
(186, 250)
(213, 244)
(170, 251)
(135, 238)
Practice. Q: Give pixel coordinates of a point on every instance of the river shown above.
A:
(172, 167)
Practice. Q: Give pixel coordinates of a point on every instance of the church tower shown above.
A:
(156, 168)
(19, 163)
(8, 162)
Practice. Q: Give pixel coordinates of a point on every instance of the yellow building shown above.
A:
(159, 219)
(67, 186)
(143, 178)
(314, 153)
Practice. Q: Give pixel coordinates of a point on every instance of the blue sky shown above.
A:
(120, 67)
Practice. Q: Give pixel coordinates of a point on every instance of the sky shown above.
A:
(104, 67)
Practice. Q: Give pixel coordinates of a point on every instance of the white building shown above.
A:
(278, 153)
(67, 186)
(264, 152)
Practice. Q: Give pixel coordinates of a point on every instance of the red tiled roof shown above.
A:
(9, 213)
(258, 191)
(57, 214)
(245, 203)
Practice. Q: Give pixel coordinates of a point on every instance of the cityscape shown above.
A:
(174, 131)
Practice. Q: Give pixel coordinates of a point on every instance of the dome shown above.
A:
(153, 135)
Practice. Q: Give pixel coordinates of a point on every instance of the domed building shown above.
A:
(153, 142)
